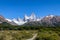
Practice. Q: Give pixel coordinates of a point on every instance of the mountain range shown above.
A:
(50, 20)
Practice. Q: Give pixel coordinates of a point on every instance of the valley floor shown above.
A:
(41, 34)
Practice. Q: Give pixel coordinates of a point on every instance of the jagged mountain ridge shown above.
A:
(49, 20)
(26, 19)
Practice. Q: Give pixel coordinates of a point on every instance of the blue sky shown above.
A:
(18, 8)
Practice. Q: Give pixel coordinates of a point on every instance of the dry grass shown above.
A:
(16, 35)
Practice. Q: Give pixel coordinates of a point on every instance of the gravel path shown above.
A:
(35, 35)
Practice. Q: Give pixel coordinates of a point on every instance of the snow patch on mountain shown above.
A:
(50, 16)
(26, 19)
(18, 21)
(8, 20)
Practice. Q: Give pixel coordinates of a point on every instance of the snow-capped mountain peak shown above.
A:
(19, 19)
(26, 17)
(33, 16)
(49, 20)
(50, 16)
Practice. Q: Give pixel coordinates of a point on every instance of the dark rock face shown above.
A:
(56, 21)
(2, 19)
(47, 21)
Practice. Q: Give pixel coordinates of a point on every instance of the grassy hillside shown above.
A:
(48, 33)
(10, 32)
(44, 33)
(16, 35)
